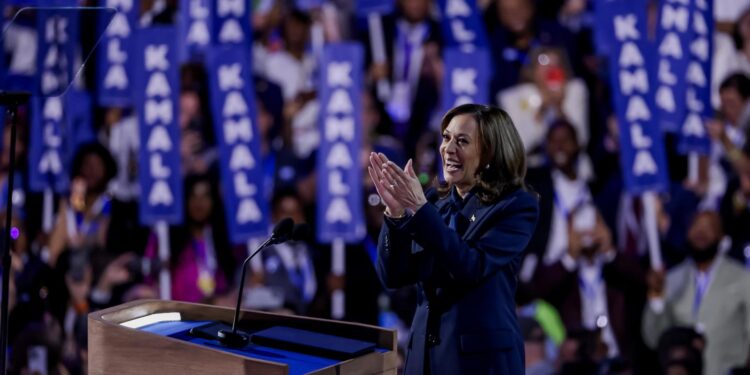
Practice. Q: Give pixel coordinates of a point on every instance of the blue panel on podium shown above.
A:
(299, 363)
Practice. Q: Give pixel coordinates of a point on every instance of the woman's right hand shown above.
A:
(393, 207)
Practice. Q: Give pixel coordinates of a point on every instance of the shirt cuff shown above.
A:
(100, 297)
(657, 305)
(569, 263)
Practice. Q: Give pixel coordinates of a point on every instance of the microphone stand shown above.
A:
(234, 338)
(12, 100)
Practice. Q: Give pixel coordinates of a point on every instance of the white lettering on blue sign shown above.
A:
(121, 5)
(633, 82)
(119, 26)
(231, 32)
(339, 128)
(230, 77)
(248, 212)
(237, 128)
(339, 73)
(463, 81)
(675, 18)
(693, 126)
(457, 8)
(158, 85)
(234, 104)
(340, 102)
(671, 46)
(625, 27)
(241, 158)
(696, 75)
(115, 53)
(336, 128)
(338, 211)
(461, 33)
(665, 98)
(198, 33)
(160, 194)
(630, 55)
(159, 140)
(665, 73)
(158, 111)
(156, 57)
(116, 77)
(234, 8)
(158, 116)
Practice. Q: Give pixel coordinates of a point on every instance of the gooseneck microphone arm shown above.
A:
(283, 231)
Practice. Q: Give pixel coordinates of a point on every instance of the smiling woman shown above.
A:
(461, 247)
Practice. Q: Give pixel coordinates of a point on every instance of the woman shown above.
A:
(463, 248)
(201, 259)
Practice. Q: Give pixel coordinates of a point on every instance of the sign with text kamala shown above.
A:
(340, 207)
(642, 149)
(156, 88)
(115, 54)
(233, 108)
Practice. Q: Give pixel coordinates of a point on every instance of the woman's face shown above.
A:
(731, 104)
(200, 204)
(93, 172)
(460, 151)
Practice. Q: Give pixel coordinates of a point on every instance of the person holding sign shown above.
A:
(462, 246)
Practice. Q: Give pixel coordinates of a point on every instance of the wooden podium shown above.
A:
(117, 349)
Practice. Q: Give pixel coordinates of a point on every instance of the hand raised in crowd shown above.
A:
(403, 184)
(655, 283)
(116, 272)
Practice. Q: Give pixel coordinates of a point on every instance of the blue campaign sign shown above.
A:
(693, 135)
(365, 7)
(194, 23)
(673, 38)
(114, 67)
(307, 5)
(48, 166)
(231, 22)
(156, 84)
(339, 190)
(641, 147)
(49, 147)
(234, 116)
(467, 77)
(462, 24)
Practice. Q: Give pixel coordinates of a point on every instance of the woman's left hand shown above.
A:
(404, 184)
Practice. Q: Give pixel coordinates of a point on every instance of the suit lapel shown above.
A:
(476, 212)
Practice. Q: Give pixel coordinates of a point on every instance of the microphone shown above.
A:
(284, 231)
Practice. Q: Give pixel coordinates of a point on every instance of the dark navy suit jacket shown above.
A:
(465, 322)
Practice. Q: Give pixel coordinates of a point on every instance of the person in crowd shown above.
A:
(286, 281)
(563, 186)
(412, 39)
(197, 149)
(735, 212)
(535, 350)
(201, 260)
(708, 291)
(514, 30)
(550, 93)
(680, 351)
(83, 219)
(581, 353)
(462, 247)
(728, 135)
(594, 286)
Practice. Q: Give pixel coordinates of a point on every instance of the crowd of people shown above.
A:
(589, 301)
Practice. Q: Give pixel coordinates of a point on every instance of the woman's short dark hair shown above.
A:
(502, 157)
(739, 82)
(94, 148)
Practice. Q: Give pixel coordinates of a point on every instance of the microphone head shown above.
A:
(301, 232)
(283, 229)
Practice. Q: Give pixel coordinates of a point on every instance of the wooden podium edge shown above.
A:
(106, 336)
